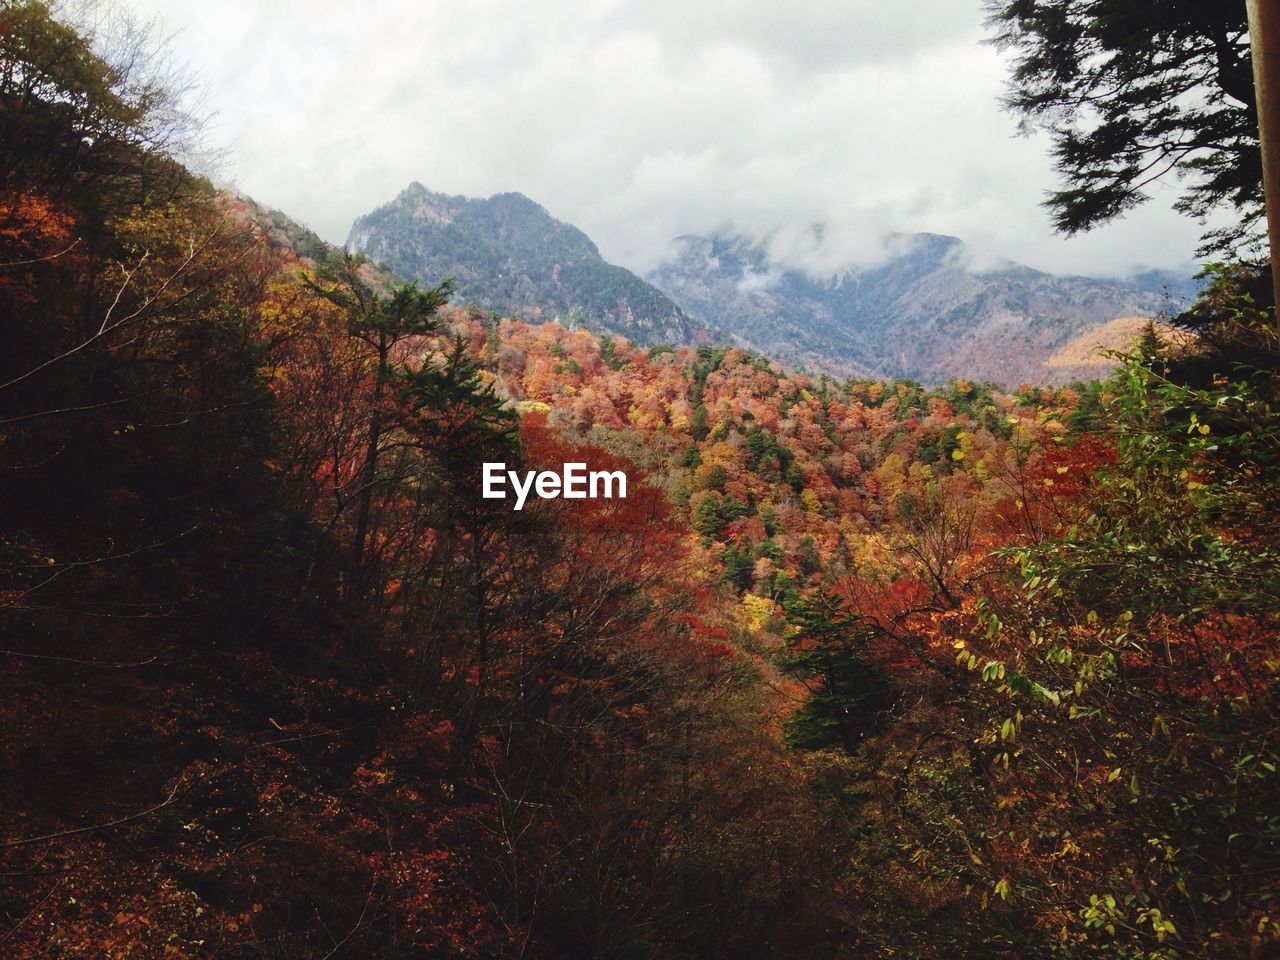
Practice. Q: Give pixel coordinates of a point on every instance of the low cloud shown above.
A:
(641, 121)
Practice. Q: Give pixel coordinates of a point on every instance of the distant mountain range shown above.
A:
(927, 310)
(507, 255)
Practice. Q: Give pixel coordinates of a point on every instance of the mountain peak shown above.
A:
(508, 255)
(517, 199)
(415, 192)
(940, 245)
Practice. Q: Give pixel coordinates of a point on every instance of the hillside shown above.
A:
(853, 670)
(507, 255)
(926, 312)
(1084, 356)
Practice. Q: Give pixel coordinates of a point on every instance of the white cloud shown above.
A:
(639, 120)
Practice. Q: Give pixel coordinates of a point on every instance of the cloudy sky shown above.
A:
(640, 120)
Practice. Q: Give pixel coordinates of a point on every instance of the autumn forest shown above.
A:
(857, 668)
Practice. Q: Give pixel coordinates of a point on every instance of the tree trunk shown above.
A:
(1264, 38)
(369, 475)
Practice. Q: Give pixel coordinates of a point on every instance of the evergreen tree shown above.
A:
(829, 650)
(738, 566)
(1132, 92)
(381, 322)
(698, 426)
(706, 517)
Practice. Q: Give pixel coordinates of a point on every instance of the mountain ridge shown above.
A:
(507, 254)
(929, 309)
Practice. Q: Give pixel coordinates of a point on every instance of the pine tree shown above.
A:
(706, 517)
(382, 322)
(1132, 92)
(830, 650)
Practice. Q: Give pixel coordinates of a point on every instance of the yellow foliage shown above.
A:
(756, 611)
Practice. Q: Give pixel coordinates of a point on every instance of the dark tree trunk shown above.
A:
(1264, 37)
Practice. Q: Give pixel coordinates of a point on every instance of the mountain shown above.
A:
(928, 311)
(1182, 287)
(1119, 334)
(507, 255)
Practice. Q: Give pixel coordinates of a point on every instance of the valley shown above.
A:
(928, 310)
(458, 594)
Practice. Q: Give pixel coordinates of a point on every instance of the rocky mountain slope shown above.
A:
(507, 255)
(928, 311)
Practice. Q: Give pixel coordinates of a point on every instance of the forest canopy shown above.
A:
(856, 669)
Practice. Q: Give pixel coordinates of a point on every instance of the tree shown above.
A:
(381, 322)
(738, 566)
(92, 118)
(706, 516)
(458, 422)
(1133, 92)
(542, 744)
(1139, 643)
(851, 693)
(1264, 39)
